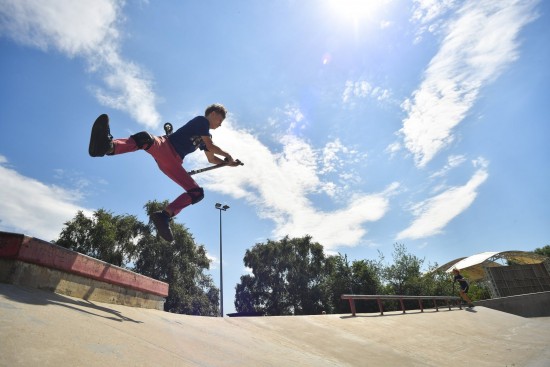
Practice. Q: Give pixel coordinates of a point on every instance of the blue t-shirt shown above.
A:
(187, 138)
(463, 283)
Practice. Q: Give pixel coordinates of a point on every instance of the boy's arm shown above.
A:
(212, 158)
(212, 150)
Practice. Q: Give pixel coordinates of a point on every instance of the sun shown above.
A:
(356, 10)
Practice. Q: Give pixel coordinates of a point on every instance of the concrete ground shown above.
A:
(39, 328)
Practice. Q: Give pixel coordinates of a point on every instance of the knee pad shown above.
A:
(197, 194)
(143, 140)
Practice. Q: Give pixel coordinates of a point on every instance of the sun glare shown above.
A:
(356, 10)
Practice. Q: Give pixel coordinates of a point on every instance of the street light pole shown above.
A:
(221, 207)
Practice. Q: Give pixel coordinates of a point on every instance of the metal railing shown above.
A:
(381, 297)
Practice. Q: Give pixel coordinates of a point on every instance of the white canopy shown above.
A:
(472, 266)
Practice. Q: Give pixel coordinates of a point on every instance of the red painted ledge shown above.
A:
(16, 246)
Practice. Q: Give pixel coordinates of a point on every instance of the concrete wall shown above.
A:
(39, 264)
(40, 277)
(525, 305)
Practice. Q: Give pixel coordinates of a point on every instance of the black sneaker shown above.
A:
(101, 140)
(161, 220)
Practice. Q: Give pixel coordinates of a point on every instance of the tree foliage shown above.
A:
(359, 277)
(124, 241)
(403, 276)
(105, 236)
(287, 278)
(544, 251)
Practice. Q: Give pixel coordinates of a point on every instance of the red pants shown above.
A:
(169, 162)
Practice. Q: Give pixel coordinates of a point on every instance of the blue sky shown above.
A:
(360, 123)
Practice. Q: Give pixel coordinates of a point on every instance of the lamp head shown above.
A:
(221, 207)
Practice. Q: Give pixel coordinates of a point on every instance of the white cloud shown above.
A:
(393, 148)
(427, 10)
(34, 208)
(336, 159)
(385, 24)
(330, 160)
(294, 113)
(85, 29)
(214, 262)
(479, 43)
(429, 13)
(289, 119)
(363, 89)
(480, 162)
(433, 214)
(453, 161)
(335, 156)
(279, 184)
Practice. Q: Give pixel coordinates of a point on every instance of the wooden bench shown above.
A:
(380, 297)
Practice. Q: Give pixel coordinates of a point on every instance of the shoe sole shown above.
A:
(100, 142)
(159, 224)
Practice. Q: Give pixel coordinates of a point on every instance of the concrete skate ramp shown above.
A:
(39, 328)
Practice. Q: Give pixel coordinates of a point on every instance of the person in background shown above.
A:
(464, 286)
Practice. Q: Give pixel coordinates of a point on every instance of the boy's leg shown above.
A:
(122, 146)
(465, 297)
(170, 164)
(102, 143)
(161, 219)
(142, 140)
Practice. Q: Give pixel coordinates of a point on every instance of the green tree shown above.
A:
(436, 282)
(479, 291)
(361, 277)
(403, 276)
(544, 251)
(247, 295)
(366, 279)
(105, 236)
(339, 281)
(288, 277)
